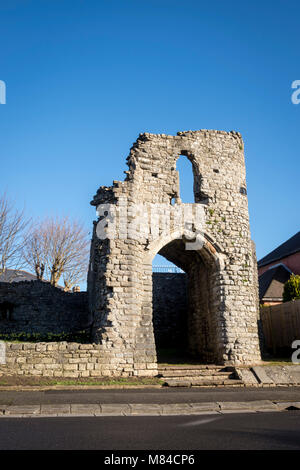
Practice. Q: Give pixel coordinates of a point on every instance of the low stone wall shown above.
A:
(38, 307)
(62, 359)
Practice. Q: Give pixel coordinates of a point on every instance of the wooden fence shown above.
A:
(280, 325)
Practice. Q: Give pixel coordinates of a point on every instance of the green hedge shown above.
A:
(291, 290)
(77, 337)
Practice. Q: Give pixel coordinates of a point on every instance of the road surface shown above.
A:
(164, 395)
(252, 431)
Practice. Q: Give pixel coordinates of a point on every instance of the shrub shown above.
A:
(291, 290)
(75, 337)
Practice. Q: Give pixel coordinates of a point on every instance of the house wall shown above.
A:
(292, 262)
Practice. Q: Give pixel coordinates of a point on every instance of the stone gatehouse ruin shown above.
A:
(208, 239)
(208, 307)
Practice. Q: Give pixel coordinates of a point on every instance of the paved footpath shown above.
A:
(145, 402)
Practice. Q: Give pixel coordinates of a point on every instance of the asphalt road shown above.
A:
(165, 395)
(251, 431)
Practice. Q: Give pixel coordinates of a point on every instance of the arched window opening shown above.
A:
(186, 179)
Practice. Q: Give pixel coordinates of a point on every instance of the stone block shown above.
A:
(247, 376)
(115, 409)
(262, 375)
(85, 409)
(57, 409)
(22, 410)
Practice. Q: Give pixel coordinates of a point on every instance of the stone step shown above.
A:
(210, 378)
(194, 367)
(198, 376)
(190, 373)
(202, 382)
(198, 379)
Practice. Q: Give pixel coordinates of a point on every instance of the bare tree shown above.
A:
(12, 227)
(58, 247)
(74, 274)
(35, 250)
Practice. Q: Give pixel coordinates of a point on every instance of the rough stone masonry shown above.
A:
(215, 252)
(37, 307)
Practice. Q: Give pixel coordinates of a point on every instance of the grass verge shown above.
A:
(14, 380)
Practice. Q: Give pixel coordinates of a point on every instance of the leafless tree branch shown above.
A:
(58, 247)
(12, 227)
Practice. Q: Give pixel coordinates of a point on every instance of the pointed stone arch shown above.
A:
(203, 268)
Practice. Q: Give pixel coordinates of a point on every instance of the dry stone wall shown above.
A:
(38, 307)
(62, 360)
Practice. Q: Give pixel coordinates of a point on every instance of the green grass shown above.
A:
(21, 337)
(278, 361)
(281, 357)
(43, 381)
(112, 382)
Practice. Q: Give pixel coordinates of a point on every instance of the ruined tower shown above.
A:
(209, 240)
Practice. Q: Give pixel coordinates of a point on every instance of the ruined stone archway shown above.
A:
(203, 268)
(220, 266)
(170, 314)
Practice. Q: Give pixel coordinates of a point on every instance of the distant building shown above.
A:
(276, 268)
(16, 275)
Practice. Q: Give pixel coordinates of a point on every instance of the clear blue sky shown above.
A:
(85, 77)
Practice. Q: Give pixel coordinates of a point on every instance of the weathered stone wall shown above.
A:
(65, 360)
(170, 309)
(221, 276)
(202, 326)
(38, 307)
